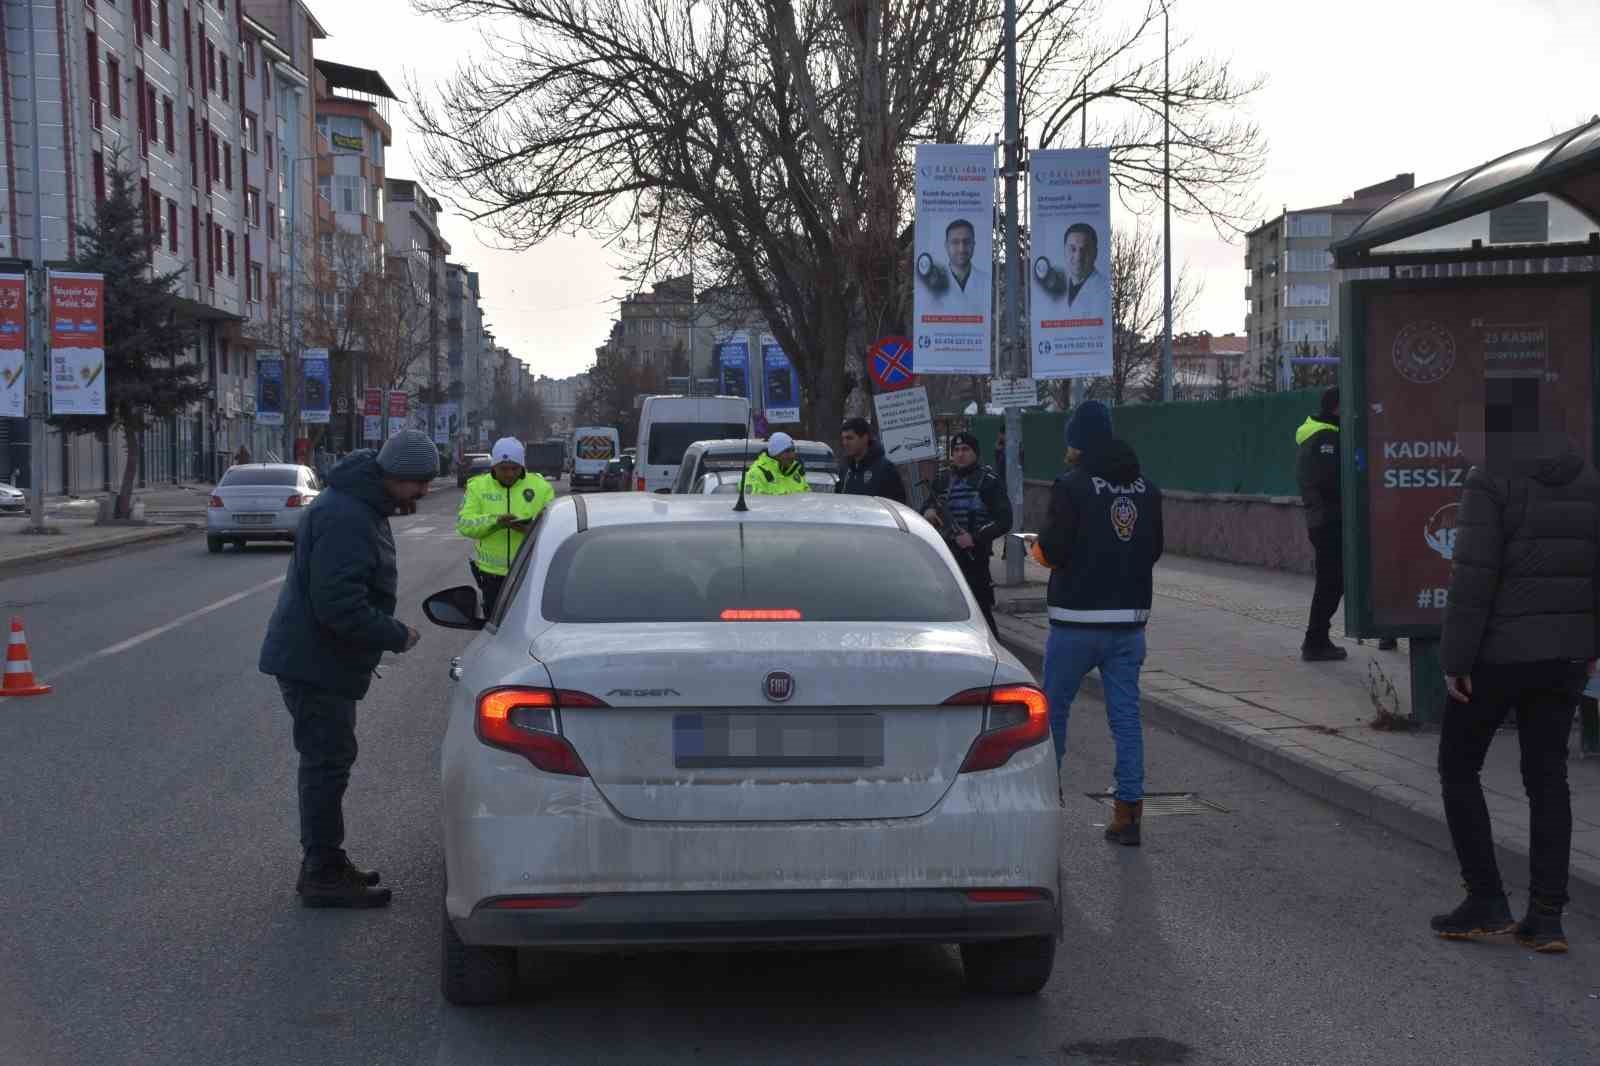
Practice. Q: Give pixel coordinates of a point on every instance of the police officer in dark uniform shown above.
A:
(968, 505)
(865, 470)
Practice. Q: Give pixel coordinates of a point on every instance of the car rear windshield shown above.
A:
(259, 476)
(669, 440)
(813, 458)
(696, 571)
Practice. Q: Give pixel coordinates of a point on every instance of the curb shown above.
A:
(1414, 815)
(67, 551)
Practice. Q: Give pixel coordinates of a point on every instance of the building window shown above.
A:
(166, 27)
(272, 292)
(227, 167)
(349, 193)
(272, 220)
(1308, 261)
(1306, 295)
(1318, 224)
(172, 134)
(194, 153)
(252, 206)
(250, 58)
(248, 126)
(92, 50)
(144, 203)
(253, 282)
(222, 355)
(155, 217)
(98, 161)
(230, 255)
(269, 151)
(114, 85)
(188, 47)
(152, 133)
(325, 247)
(172, 226)
(224, 76)
(194, 230)
(1308, 330)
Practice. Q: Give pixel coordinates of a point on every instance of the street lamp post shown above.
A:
(1018, 360)
(1166, 203)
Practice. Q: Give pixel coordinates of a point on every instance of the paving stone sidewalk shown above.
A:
(1224, 668)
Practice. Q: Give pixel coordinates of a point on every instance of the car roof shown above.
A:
(640, 508)
(755, 444)
(268, 466)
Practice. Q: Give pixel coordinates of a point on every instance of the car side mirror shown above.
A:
(455, 608)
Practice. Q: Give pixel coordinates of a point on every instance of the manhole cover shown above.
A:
(1160, 803)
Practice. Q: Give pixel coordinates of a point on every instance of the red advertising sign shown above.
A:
(398, 407)
(1429, 350)
(77, 344)
(372, 405)
(13, 345)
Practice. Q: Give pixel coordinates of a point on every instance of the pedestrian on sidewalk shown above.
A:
(242, 456)
(333, 622)
(1519, 631)
(497, 511)
(968, 504)
(1318, 470)
(865, 470)
(1101, 540)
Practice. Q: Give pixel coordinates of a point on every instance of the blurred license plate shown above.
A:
(733, 740)
(252, 519)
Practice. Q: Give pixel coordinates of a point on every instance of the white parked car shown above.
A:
(687, 725)
(259, 501)
(726, 482)
(12, 498)
(708, 456)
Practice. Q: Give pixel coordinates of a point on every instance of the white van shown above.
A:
(669, 424)
(592, 448)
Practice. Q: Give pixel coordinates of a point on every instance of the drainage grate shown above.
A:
(1162, 803)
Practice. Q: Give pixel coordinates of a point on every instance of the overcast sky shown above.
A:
(1357, 92)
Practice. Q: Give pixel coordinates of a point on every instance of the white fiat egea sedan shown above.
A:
(692, 725)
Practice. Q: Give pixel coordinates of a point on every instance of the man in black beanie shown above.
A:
(334, 620)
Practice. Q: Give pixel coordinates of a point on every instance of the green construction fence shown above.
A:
(1245, 444)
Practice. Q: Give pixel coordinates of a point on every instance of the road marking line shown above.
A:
(151, 634)
(417, 531)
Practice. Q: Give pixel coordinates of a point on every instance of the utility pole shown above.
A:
(1018, 359)
(1166, 203)
(38, 290)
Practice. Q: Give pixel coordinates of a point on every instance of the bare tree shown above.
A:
(1136, 316)
(774, 138)
(393, 323)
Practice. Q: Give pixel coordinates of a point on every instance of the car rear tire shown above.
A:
(474, 976)
(1009, 967)
(214, 545)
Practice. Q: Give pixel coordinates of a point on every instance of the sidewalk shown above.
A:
(170, 511)
(1224, 668)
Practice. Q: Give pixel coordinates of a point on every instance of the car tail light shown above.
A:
(296, 500)
(1014, 717)
(638, 485)
(1006, 895)
(785, 614)
(216, 501)
(527, 721)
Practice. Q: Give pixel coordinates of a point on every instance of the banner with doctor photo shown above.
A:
(1069, 284)
(733, 365)
(780, 384)
(953, 270)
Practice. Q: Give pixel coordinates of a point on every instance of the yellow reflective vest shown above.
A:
(766, 478)
(479, 517)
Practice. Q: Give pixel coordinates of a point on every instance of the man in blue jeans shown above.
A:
(1101, 540)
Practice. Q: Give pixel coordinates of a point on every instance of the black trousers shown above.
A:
(981, 582)
(1328, 542)
(325, 737)
(1545, 696)
(490, 585)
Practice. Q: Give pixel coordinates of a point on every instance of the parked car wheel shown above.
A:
(214, 545)
(1009, 967)
(474, 976)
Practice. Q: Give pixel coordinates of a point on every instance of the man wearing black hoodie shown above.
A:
(1101, 541)
(865, 470)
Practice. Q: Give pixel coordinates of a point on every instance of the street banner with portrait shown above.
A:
(13, 346)
(77, 344)
(316, 386)
(372, 415)
(780, 385)
(733, 365)
(1069, 286)
(446, 422)
(269, 387)
(953, 269)
(399, 411)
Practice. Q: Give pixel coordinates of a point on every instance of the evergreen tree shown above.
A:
(147, 378)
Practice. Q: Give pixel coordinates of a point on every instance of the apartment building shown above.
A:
(1292, 288)
(417, 252)
(463, 345)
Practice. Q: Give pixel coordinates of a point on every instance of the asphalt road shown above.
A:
(147, 829)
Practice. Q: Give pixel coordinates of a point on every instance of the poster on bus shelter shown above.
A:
(1429, 350)
(733, 365)
(77, 344)
(13, 346)
(953, 269)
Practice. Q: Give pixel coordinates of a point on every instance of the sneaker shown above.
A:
(1325, 652)
(339, 886)
(1477, 916)
(1541, 930)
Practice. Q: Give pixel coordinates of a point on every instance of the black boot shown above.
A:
(1477, 916)
(1322, 650)
(1541, 929)
(339, 885)
(366, 877)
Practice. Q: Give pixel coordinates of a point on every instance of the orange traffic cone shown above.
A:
(19, 668)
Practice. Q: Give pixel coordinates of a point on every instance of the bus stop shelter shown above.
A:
(1490, 273)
